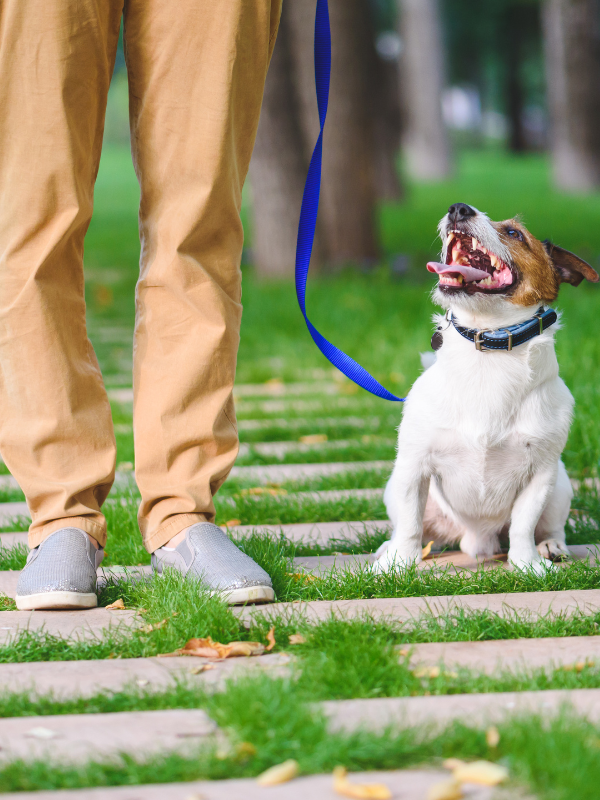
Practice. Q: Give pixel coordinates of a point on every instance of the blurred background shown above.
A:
(495, 103)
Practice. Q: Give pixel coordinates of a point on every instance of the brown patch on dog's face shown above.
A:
(541, 266)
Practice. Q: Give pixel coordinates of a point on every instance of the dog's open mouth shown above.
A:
(469, 265)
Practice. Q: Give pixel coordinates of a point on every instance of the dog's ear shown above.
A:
(570, 268)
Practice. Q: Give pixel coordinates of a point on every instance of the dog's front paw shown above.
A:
(553, 550)
(535, 565)
(396, 557)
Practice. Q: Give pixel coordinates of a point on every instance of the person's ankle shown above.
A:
(93, 541)
(177, 539)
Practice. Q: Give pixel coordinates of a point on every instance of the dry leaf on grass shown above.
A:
(260, 490)
(156, 627)
(297, 638)
(427, 549)
(485, 773)
(270, 640)
(305, 577)
(453, 763)
(427, 672)
(280, 773)
(313, 438)
(118, 605)
(578, 666)
(231, 523)
(360, 791)
(492, 737)
(245, 750)
(446, 790)
(206, 648)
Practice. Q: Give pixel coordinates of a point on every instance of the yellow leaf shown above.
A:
(453, 763)
(427, 672)
(305, 577)
(206, 648)
(231, 523)
(492, 737)
(246, 749)
(270, 640)
(118, 605)
(297, 638)
(261, 490)
(361, 791)
(313, 438)
(427, 549)
(485, 773)
(403, 651)
(446, 790)
(280, 773)
(156, 627)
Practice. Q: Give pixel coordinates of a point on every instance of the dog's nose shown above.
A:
(460, 211)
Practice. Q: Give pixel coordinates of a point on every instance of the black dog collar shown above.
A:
(507, 338)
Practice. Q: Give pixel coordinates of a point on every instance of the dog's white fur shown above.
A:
(480, 441)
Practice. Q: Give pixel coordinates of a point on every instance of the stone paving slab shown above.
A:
(516, 655)
(332, 496)
(292, 472)
(471, 709)
(73, 738)
(67, 679)
(586, 601)
(280, 389)
(316, 423)
(11, 538)
(319, 533)
(404, 785)
(8, 512)
(84, 624)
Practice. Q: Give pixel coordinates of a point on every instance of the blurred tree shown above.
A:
(572, 45)
(425, 138)
(278, 166)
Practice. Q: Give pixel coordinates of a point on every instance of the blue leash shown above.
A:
(308, 215)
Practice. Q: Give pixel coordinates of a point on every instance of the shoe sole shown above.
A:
(253, 594)
(45, 601)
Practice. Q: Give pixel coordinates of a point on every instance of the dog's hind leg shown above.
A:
(550, 530)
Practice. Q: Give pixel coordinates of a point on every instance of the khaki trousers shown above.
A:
(196, 75)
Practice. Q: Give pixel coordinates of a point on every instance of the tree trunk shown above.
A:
(422, 72)
(347, 208)
(513, 40)
(571, 39)
(386, 128)
(278, 167)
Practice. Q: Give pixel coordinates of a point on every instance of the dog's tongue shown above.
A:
(468, 273)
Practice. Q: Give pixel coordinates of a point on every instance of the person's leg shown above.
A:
(56, 436)
(196, 74)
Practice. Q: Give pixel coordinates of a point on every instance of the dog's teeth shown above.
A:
(475, 243)
(449, 238)
(484, 250)
(493, 259)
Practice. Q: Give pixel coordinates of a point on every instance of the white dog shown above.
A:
(484, 427)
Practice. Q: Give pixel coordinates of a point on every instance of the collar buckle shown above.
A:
(477, 340)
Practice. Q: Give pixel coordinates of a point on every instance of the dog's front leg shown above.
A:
(526, 512)
(405, 499)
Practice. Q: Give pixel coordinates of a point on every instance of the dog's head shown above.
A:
(485, 264)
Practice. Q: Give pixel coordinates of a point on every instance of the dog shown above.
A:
(483, 428)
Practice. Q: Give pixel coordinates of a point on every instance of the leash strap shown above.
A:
(308, 215)
(514, 335)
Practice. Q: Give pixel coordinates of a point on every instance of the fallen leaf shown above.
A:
(427, 672)
(305, 577)
(446, 790)
(453, 763)
(232, 523)
(403, 651)
(578, 666)
(313, 438)
(280, 773)
(245, 749)
(492, 737)
(427, 549)
(484, 773)
(261, 490)
(156, 627)
(270, 640)
(368, 791)
(297, 638)
(201, 668)
(206, 648)
(117, 605)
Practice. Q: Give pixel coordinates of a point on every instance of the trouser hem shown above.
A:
(95, 529)
(171, 528)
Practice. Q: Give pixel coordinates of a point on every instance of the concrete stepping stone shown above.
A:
(85, 624)
(12, 538)
(68, 679)
(472, 709)
(316, 423)
(74, 738)
(285, 405)
(282, 449)
(514, 655)
(403, 609)
(404, 784)
(293, 472)
(317, 497)
(10, 511)
(318, 533)
(275, 388)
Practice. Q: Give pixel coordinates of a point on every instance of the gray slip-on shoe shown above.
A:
(60, 573)
(210, 556)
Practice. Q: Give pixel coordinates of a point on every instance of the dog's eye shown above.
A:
(515, 234)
